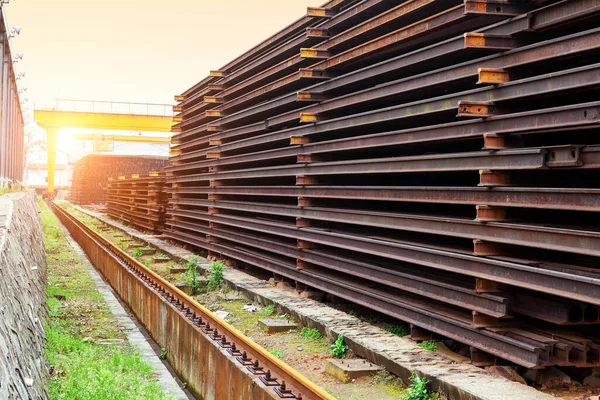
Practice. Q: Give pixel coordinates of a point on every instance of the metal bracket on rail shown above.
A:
(563, 156)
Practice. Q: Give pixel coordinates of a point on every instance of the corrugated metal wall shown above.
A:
(11, 120)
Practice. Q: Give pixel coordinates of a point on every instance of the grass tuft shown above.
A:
(267, 311)
(397, 330)
(428, 345)
(311, 334)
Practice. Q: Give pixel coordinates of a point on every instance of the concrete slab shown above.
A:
(184, 287)
(231, 297)
(176, 269)
(148, 252)
(349, 369)
(276, 325)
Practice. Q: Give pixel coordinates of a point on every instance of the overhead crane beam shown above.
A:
(54, 120)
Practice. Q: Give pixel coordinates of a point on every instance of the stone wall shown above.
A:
(23, 369)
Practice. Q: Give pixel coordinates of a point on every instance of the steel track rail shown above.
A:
(222, 334)
(421, 283)
(402, 12)
(544, 17)
(551, 238)
(267, 44)
(550, 84)
(559, 282)
(418, 313)
(545, 198)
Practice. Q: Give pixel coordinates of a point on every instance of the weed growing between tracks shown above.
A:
(78, 317)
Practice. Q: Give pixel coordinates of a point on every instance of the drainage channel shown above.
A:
(215, 359)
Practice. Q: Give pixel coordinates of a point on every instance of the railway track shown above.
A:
(215, 359)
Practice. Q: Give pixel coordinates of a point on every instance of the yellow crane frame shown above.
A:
(54, 120)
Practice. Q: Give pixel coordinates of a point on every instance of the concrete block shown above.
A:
(176, 269)
(276, 325)
(347, 370)
(148, 252)
(159, 260)
(185, 288)
(127, 240)
(132, 245)
(231, 297)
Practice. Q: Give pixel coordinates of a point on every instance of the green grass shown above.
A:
(429, 345)
(397, 330)
(267, 311)
(339, 348)
(418, 389)
(276, 353)
(79, 317)
(215, 280)
(392, 384)
(310, 334)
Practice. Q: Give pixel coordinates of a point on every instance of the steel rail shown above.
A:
(544, 198)
(415, 312)
(424, 32)
(397, 276)
(404, 13)
(572, 118)
(504, 160)
(548, 84)
(546, 237)
(269, 43)
(340, 21)
(557, 282)
(559, 47)
(95, 243)
(445, 76)
(546, 16)
(427, 283)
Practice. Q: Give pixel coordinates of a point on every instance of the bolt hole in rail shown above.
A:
(216, 360)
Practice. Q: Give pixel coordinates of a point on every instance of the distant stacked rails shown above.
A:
(91, 173)
(139, 200)
(436, 161)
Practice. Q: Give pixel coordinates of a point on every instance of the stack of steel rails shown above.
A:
(138, 200)
(91, 173)
(430, 160)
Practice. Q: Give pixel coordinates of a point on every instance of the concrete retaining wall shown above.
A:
(23, 370)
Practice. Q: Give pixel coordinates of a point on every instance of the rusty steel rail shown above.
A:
(261, 376)
(551, 238)
(257, 51)
(551, 84)
(562, 282)
(545, 17)
(545, 198)
(449, 324)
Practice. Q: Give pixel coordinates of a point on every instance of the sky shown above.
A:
(135, 50)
